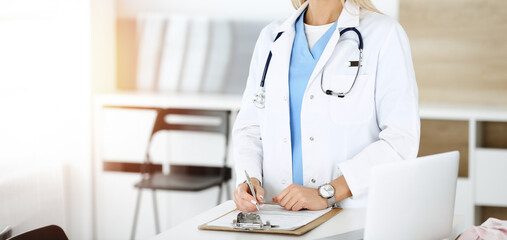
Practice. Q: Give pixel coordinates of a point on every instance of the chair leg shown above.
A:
(136, 213)
(219, 194)
(155, 212)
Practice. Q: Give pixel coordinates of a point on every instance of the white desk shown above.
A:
(233, 102)
(345, 221)
(167, 99)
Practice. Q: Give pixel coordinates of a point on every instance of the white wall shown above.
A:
(45, 102)
(238, 9)
(32, 195)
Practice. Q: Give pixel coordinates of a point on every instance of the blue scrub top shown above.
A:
(302, 63)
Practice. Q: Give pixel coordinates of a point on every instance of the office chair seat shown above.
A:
(178, 182)
(185, 178)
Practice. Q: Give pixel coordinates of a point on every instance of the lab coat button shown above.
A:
(285, 98)
(284, 182)
(311, 138)
(313, 180)
(311, 96)
(284, 139)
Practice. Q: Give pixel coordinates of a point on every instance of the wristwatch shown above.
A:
(327, 192)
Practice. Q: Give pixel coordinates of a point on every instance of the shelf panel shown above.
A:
(490, 177)
(464, 200)
(494, 135)
(495, 212)
(439, 136)
(126, 53)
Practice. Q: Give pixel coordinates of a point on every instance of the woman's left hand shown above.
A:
(296, 197)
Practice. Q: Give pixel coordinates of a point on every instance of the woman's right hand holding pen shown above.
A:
(243, 198)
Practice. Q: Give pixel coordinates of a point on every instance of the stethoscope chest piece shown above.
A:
(260, 98)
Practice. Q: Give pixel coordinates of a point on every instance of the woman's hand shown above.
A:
(243, 198)
(296, 197)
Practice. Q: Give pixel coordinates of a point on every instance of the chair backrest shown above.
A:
(201, 171)
(161, 124)
(51, 232)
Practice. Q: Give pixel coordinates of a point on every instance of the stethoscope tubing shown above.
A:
(359, 36)
(259, 97)
(268, 60)
(360, 47)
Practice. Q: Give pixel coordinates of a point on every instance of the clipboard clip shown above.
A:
(251, 221)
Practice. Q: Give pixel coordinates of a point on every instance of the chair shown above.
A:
(183, 177)
(6, 233)
(51, 232)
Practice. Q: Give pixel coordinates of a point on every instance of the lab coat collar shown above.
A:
(289, 23)
(349, 17)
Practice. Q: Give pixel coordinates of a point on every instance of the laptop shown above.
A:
(412, 199)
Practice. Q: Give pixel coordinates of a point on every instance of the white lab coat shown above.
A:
(376, 123)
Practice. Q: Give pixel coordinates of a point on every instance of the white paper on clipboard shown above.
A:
(277, 215)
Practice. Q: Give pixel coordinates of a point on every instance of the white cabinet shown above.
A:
(485, 183)
(464, 204)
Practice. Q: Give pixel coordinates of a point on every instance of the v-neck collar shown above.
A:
(319, 46)
(301, 41)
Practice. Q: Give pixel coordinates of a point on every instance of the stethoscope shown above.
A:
(260, 97)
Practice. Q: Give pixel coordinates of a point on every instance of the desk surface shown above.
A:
(346, 221)
(166, 100)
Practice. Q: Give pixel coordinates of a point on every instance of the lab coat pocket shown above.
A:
(357, 106)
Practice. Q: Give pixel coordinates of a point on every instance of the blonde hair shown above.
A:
(364, 4)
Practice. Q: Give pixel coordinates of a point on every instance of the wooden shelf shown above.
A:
(439, 136)
(495, 212)
(474, 130)
(493, 135)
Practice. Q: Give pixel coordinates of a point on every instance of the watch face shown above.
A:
(326, 191)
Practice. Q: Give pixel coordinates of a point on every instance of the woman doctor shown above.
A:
(329, 113)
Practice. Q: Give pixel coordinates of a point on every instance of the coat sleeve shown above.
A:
(246, 136)
(396, 103)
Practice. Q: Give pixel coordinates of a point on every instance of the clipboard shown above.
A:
(295, 232)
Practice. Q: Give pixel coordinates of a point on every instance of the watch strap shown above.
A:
(331, 201)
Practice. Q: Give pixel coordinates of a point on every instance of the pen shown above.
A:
(249, 182)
